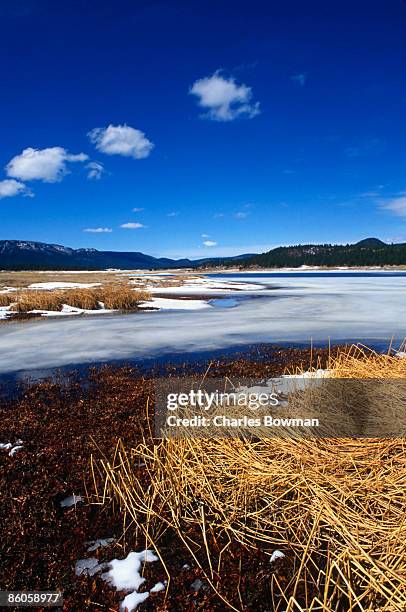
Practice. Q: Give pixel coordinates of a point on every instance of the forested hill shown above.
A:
(369, 252)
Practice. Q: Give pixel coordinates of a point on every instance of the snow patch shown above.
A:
(62, 285)
(175, 304)
(132, 601)
(72, 500)
(88, 566)
(15, 450)
(277, 554)
(100, 543)
(124, 574)
(311, 374)
(160, 586)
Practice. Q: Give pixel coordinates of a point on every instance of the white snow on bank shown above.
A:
(15, 450)
(69, 311)
(61, 285)
(12, 448)
(72, 500)
(5, 445)
(160, 586)
(206, 286)
(133, 600)
(100, 543)
(277, 554)
(88, 566)
(4, 312)
(8, 289)
(124, 575)
(310, 374)
(175, 304)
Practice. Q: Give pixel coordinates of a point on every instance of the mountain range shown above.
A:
(27, 255)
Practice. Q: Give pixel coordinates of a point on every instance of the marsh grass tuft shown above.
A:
(334, 506)
(7, 298)
(115, 297)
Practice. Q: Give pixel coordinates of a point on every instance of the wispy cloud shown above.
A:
(299, 78)
(48, 165)
(205, 235)
(209, 243)
(121, 140)
(137, 210)
(132, 225)
(98, 230)
(10, 188)
(396, 205)
(173, 214)
(96, 170)
(223, 98)
(241, 215)
(218, 216)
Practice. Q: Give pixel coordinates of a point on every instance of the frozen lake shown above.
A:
(283, 307)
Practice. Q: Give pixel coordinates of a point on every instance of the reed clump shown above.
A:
(335, 507)
(114, 297)
(7, 298)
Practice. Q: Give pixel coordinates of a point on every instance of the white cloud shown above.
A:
(172, 214)
(96, 170)
(48, 165)
(137, 210)
(205, 235)
(223, 98)
(241, 215)
(121, 140)
(218, 216)
(98, 230)
(300, 78)
(209, 243)
(132, 225)
(10, 188)
(396, 205)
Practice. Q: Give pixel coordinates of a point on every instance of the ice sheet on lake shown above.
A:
(300, 309)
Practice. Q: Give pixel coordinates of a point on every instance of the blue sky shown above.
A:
(239, 125)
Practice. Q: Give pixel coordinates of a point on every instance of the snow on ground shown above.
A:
(72, 500)
(7, 313)
(100, 543)
(206, 286)
(4, 312)
(277, 554)
(88, 566)
(401, 354)
(174, 304)
(12, 448)
(310, 374)
(5, 445)
(69, 311)
(160, 586)
(61, 285)
(8, 289)
(133, 600)
(124, 575)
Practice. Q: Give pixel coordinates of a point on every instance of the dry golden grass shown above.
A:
(336, 507)
(122, 297)
(7, 298)
(115, 297)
